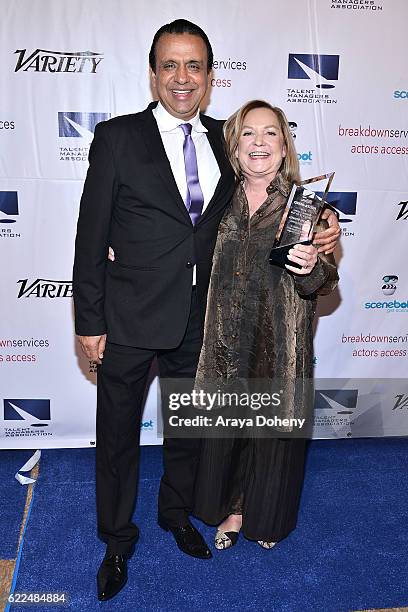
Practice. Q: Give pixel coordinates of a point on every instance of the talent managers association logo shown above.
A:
(9, 208)
(79, 125)
(321, 72)
(334, 410)
(342, 401)
(35, 410)
(345, 202)
(24, 418)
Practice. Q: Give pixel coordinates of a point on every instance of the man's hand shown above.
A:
(326, 240)
(93, 347)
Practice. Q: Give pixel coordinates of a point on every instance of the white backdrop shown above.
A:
(66, 66)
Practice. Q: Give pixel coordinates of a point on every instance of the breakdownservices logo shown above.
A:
(42, 60)
(26, 417)
(15, 351)
(369, 344)
(320, 73)
(228, 67)
(79, 125)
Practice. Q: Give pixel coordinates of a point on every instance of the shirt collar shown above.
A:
(167, 123)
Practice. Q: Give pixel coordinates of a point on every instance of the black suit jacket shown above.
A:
(131, 202)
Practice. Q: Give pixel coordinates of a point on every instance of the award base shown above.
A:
(279, 255)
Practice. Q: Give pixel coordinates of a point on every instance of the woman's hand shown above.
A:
(111, 254)
(304, 255)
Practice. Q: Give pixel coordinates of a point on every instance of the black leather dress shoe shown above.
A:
(188, 539)
(112, 576)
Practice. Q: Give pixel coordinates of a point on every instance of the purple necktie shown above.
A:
(195, 199)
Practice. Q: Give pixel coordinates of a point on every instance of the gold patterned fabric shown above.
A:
(258, 326)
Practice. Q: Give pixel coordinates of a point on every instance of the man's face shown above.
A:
(181, 78)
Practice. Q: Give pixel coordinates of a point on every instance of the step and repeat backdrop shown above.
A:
(338, 69)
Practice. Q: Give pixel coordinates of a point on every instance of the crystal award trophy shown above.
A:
(302, 212)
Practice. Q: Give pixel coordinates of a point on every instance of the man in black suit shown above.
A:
(140, 197)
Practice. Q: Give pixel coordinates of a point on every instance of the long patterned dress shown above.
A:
(258, 325)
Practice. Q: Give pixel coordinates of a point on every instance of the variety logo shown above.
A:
(322, 70)
(34, 410)
(403, 213)
(79, 125)
(43, 288)
(41, 60)
(8, 205)
(342, 401)
(389, 284)
(402, 402)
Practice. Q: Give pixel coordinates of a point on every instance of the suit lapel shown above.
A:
(154, 144)
(217, 146)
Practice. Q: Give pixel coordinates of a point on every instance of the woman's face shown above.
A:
(261, 145)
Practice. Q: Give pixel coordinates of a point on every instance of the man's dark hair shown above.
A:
(180, 26)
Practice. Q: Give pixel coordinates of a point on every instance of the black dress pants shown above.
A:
(122, 381)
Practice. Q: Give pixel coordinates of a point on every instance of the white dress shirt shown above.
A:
(173, 140)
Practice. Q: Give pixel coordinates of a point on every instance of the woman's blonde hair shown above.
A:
(232, 131)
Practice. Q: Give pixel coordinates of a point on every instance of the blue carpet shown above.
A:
(348, 552)
(13, 498)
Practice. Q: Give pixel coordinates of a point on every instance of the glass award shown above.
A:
(301, 213)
